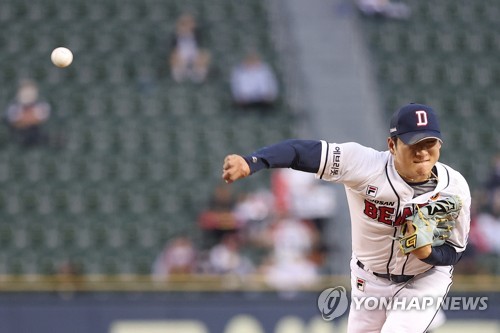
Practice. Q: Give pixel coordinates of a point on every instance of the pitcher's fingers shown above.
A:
(228, 162)
(227, 177)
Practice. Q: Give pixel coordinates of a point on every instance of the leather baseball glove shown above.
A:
(432, 224)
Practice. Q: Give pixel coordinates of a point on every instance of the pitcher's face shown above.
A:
(415, 162)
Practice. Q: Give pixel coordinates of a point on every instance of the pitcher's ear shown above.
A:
(391, 143)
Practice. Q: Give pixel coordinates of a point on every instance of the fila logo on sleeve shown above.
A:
(422, 118)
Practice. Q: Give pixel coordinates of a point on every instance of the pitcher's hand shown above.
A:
(422, 252)
(235, 167)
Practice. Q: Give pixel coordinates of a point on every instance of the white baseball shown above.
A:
(61, 57)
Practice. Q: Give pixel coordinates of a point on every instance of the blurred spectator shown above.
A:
(254, 207)
(27, 114)
(289, 273)
(483, 253)
(218, 218)
(178, 257)
(494, 178)
(226, 258)
(487, 226)
(254, 211)
(383, 8)
(291, 238)
(469, 263)
(287, 241)
(300, 195)
(188, 59)
(303, 196)
(253, 83)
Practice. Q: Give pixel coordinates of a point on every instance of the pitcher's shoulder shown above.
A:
(455, 176)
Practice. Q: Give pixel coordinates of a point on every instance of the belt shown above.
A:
(390, 277)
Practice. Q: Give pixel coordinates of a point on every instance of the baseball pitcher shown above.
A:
(410, 214)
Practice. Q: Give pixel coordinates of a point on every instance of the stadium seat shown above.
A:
(140, 153)
(444, 56)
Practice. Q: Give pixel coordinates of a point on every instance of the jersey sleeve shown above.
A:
(349, 163)
(443, 255)
(303, 155)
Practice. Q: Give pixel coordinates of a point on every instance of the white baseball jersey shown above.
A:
(380, 201)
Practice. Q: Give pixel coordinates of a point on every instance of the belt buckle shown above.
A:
(396, 278)
(399, 278)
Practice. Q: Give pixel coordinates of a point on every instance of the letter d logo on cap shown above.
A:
(422, 118)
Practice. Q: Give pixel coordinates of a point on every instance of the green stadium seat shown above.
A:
(458, 76)
(141, 153)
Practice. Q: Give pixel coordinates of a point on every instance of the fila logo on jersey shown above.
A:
(371, 190)
(422, 118)
(360, 284)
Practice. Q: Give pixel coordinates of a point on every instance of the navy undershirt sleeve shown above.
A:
(303, 155)
(443, 255)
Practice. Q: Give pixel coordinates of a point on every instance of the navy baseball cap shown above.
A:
(415, 122)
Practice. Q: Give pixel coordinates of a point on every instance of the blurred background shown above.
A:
(113, 215)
